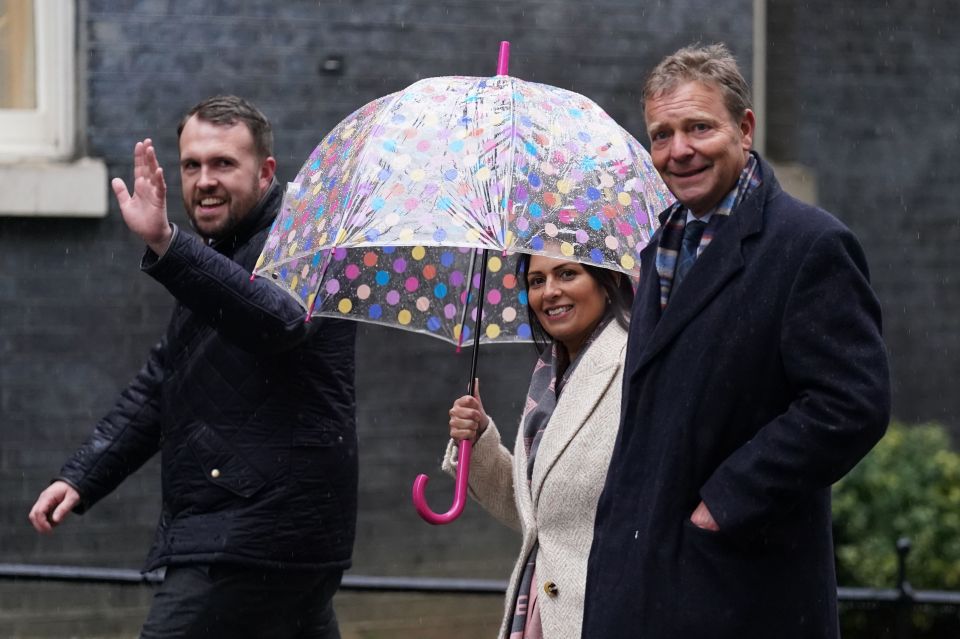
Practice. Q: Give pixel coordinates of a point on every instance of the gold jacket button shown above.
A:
(551, 589)
(215, 473)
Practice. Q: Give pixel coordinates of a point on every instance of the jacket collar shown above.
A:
(719, 263)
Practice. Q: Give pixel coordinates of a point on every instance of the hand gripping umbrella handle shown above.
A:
(459, 494)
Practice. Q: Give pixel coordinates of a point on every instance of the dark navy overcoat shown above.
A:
(763, 381)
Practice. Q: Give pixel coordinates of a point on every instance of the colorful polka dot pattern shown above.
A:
(460, 162)
(432, 290)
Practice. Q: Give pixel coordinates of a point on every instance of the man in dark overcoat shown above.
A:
(756, 376)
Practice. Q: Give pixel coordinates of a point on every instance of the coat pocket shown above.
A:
(729, 588)
(323, 463)
(323, 484)
(222, 465)
(321, 433)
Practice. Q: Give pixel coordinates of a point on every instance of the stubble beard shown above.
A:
(237, 210)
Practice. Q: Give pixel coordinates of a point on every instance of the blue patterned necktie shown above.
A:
(692, 233)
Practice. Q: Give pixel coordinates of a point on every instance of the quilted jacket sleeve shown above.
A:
(123, 440)
(253, 314)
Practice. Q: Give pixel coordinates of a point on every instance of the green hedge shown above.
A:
(908, 486)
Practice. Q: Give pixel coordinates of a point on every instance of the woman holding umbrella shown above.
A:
(549, 487)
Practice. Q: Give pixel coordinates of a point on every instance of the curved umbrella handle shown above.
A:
(459, 495)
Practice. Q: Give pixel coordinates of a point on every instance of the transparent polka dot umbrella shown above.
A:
(394, 215)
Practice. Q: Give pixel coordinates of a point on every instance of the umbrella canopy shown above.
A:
(392, 217)
(378, 223)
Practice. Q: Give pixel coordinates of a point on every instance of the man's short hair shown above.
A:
(711, 65)
(227, 110)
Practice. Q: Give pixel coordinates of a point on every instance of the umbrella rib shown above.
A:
(508, 182)
(361, 161)
(466, 303)
(484, 226)
(327, 254)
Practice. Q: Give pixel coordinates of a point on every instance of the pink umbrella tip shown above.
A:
(503, 61)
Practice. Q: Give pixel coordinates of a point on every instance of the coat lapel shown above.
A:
(715, 267)
(646, 308)
(524, 501)
(577, 402)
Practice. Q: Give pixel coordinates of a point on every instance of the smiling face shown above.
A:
(221, 175)
(566, 300)
(698, 148)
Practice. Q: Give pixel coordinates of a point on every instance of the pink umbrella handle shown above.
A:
(459, 494)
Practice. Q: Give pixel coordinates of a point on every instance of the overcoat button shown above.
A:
(215, 473)
(551, 589)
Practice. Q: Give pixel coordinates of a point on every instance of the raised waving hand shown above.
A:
(145, 210)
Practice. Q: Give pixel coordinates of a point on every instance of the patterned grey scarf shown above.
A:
(542, 396)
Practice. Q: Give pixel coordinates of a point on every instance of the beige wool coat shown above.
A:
(558, 506)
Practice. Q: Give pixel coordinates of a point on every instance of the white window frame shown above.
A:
(46, 132)
(40, 174)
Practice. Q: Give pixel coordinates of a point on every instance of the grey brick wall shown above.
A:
(869, 98)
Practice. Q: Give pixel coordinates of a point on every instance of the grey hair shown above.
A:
(712, 65)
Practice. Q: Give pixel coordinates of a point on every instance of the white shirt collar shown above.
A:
(705, 218)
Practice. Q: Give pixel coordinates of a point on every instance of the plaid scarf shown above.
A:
(668, 250)
(542, 396)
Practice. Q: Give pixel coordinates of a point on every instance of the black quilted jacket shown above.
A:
(252, 411)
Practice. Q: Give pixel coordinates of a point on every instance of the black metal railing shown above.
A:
(899, 603)
(364, 583)
(906, 613)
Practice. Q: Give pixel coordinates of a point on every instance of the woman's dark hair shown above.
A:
(616, 286)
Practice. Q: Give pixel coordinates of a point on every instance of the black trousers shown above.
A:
(210, 601)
